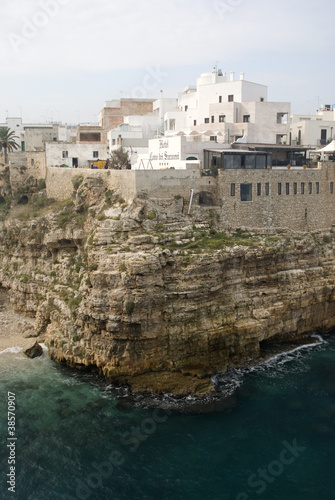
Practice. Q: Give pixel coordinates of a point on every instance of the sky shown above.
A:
(61, 60)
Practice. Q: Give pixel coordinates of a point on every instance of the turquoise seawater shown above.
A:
(272, 438)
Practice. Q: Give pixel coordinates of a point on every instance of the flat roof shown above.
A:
(278, 147)
(234, 151)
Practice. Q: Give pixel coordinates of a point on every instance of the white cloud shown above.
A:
(104, 35)
(85, 37)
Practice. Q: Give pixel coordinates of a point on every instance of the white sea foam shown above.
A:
(230, 381)
(284, 357)
(12, 350)
(44, 347)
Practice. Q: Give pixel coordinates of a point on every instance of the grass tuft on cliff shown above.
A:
(77, 181)
(216, 241)
(68, 215)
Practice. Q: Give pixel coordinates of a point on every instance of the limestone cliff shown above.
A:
(153, 298)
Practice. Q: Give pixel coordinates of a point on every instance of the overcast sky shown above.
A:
(62, 59)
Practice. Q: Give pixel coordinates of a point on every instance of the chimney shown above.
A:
(232, 76)
(241, 76)
(161, 109)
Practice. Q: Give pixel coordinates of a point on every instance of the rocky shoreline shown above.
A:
(155, 299)
(16, 330)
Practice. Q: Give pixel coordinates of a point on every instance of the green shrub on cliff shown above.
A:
(130, 306)
(75, 302)
(77, 181)
(66, 215)
(151, 215)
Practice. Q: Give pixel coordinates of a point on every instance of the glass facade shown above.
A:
(236, 160)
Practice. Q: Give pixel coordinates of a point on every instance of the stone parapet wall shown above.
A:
(36, 163)
(294, 209)
(156, 183)
(60, 187)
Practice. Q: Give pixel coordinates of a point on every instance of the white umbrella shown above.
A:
(330, 148)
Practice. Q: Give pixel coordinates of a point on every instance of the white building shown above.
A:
(74, 155)
(238, 109)
(33, 136)
(314, 130)
(177, 152)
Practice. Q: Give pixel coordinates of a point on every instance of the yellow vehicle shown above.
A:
(100, 164)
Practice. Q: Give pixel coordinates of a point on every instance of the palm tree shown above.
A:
(7, 141)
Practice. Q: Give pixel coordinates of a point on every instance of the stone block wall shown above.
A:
(60, 187)
(295, 199)
(36, 164)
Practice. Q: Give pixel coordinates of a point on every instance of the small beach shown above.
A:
(13, 326)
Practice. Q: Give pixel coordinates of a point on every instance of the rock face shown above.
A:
(156, 299)
(34, 351)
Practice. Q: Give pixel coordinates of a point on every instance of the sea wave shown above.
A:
(227, 383)
(17, 349)
(12, 350)
(44, 347)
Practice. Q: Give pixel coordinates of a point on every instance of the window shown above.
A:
(262, 99)
(282, 118)
(233, 161)
(220, 99)
(65, 154)
(206, 120)
(331, 188)
(222, 118)
(194, 122)
(310, 188)
(186, 108)
(317, 187)
(246, 192)
(302, 188)
(287, 188)
(267, 188)
(259, 189)
(95, 154)
(232, 189)
(231, 98)
(113, 142)
(90, 137)
(250, 161)
(213, 119)
(212, 159)
(261, 161)
(323, 137)
(172, 124)
(295, 187)
(279, 188)
(246, 118)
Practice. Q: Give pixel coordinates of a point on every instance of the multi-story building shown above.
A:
(314, 130)
(74, 155)
(113, 112)
(33, 136)
(137, 129)
(238, 109)
(112, 116)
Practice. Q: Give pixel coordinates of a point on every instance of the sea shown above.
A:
(268, 433)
